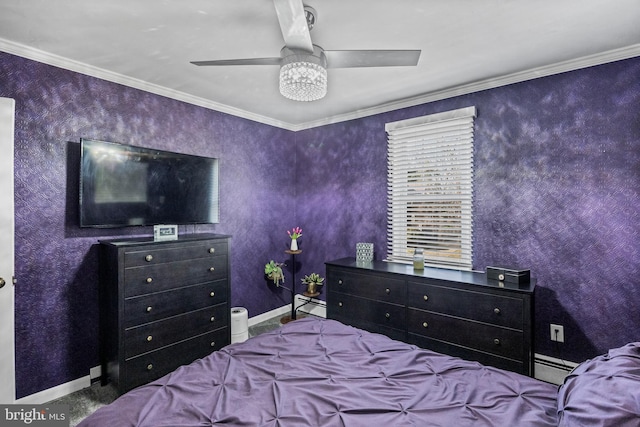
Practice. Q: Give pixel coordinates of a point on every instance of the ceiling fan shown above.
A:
(303, 65)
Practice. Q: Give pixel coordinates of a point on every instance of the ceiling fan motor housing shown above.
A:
(310, 14)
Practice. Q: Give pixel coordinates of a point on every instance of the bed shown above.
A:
(317, 372)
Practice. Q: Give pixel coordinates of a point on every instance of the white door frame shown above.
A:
(7, 256)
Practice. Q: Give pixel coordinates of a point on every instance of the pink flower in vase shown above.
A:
(295, 232)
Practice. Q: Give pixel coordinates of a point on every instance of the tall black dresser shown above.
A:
(458, 313)
(163, 304)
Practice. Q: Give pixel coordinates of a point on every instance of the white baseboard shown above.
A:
(551, 369)
(56, 392)
(269, 315)
(95, 373)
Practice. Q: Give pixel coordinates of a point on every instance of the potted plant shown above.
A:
(273, 271)
(312, 281)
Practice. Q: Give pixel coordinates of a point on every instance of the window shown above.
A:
(430, 188)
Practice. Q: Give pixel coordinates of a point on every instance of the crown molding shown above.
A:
(82, 68)
(492, 83)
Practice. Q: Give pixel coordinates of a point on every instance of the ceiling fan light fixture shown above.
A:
(303, 76)
(303, 65)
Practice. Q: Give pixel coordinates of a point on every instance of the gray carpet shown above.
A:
(84, 402)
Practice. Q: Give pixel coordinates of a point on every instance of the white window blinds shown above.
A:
(430, 188)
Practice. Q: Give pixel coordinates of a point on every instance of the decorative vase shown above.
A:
(364, 252)
(294, 244)
(312, 288)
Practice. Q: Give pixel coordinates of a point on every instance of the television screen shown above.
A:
(123, 185)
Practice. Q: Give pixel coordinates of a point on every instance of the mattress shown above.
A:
(318, 372)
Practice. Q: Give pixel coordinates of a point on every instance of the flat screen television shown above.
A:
(124, 185)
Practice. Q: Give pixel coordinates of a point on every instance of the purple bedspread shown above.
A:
(322, 373)
(603, 391)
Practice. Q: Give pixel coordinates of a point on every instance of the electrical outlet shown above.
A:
(557, 333)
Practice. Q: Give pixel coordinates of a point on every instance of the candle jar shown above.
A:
(418, 259)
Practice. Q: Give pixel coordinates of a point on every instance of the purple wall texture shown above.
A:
(557, 164)
(557, 190)
(56, 261)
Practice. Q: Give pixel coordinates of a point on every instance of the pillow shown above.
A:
(604, 391)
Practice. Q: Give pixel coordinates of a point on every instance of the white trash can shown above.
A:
(239, 324)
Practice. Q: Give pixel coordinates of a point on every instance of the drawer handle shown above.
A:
(213, 318)
(426, 297)
(340, 282)
(388, 291)
(496, 341)
(212, 250)
(387, 315)
(496, 310)
(425, 324)
(149, 279)
(149, 367)
(213, 343)
(148, 258)
(212, 294)
(340, 304)
(149, 338)
(149, 309)
(501, 277)
(212, 269)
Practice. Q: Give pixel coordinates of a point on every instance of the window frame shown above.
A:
(438, 150)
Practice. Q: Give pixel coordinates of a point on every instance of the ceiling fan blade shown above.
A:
(248, 61)
(371, 58)
(293, 23)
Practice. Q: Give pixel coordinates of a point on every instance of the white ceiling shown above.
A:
(466, 45)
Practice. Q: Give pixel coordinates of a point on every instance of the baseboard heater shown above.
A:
(551, 369)
(309, 305)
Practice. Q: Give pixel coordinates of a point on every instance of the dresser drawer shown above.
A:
(170, 252)
(496, 340)
(152, 307)
(482, 307)
(160, 277)
(150, 366)
(469, 354)
(376, 312)
(367, 286)
(155, 335)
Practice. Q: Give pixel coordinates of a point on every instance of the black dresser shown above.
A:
(458, 313)
(163, 304)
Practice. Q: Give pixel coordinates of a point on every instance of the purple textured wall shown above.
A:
(557, 181)
(341, 190)
(557, 164)
(56, 261)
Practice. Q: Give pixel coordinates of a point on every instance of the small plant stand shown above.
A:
(293, 254)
